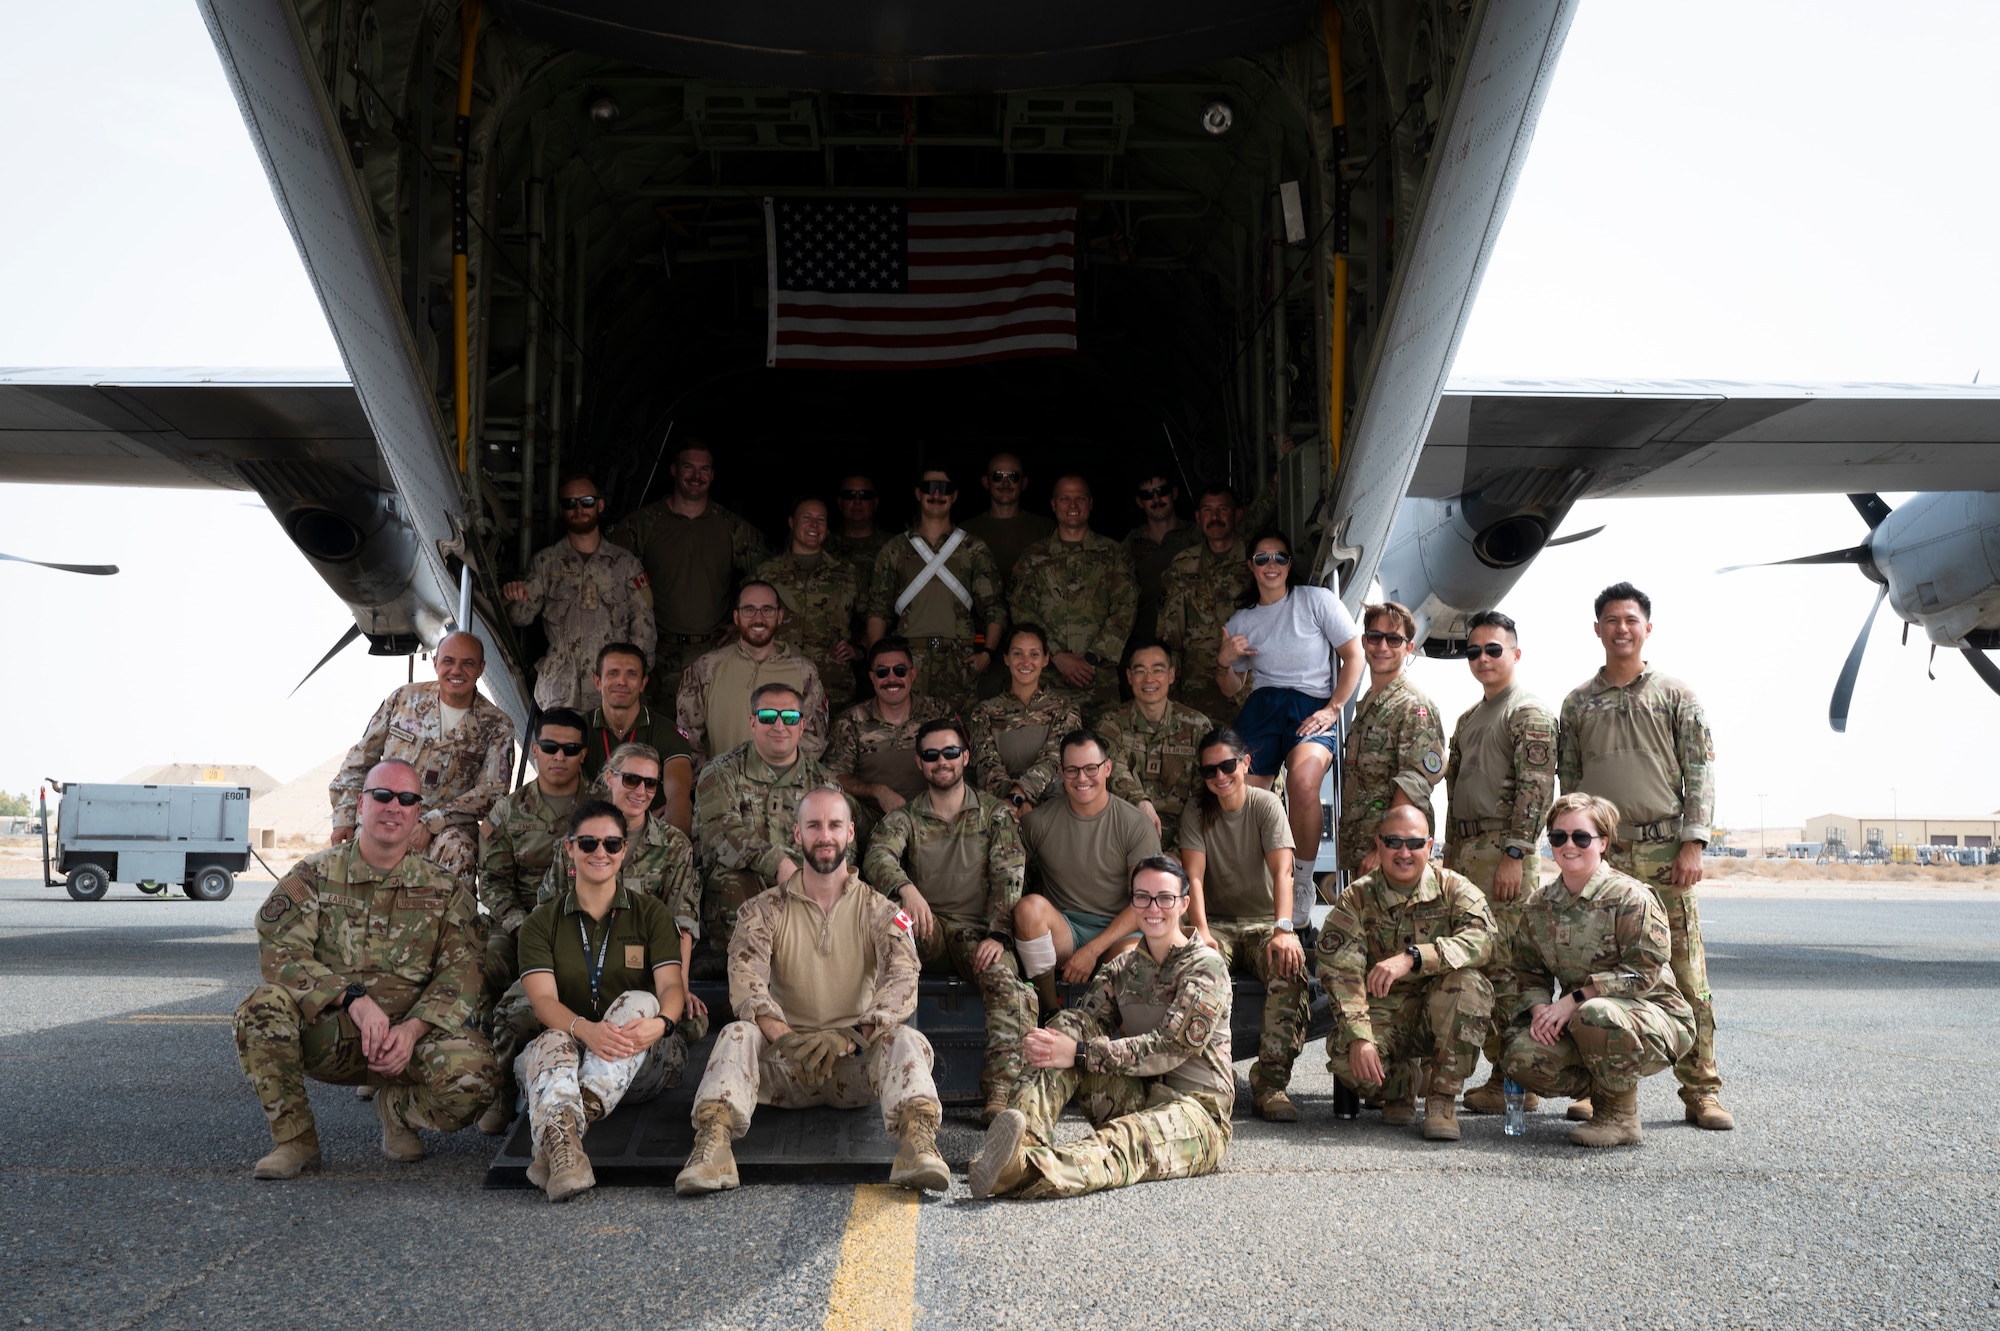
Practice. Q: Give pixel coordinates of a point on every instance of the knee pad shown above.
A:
(1038, 955)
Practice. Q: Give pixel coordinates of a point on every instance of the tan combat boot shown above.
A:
(1002, 1163)
(1579, 1111)
(1399, 1113)
(567, 1168)
(1492, 1098)
(399, 1140)
(1705, 1111)
(997, 1098)
(290, 1159)
(1441, 1116)
(711, 1167)
(918, 1164)
(1614, 1120)
(1275, 1107)
(493, 1119)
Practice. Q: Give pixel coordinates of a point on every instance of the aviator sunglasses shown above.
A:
(589, 844)
(857, 495)
(1582, 839)
(899, 671)
(567, 750)
(1263, 557)
(1156, 492)
(1493, 649)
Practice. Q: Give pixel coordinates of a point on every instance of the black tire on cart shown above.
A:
(88, 882)
(212, 883)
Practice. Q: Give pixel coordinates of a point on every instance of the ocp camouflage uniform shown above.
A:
(1439, 1012)
(1084, 595)
(1149, 566)
(820, 599)
(1198, 593)
(1153, 1075)
(744, 811)
(858, 552)
(939, 624)
(693, 564)
(1396, 743)
(969, 870)
(412, 935)
(1613, 935)
(1009, 735)
(585, 601)
(461, 775)
(516, 847)
(864, 746)
(1646, 747)
(1500, 782)
(1155, 760)
(713, 706)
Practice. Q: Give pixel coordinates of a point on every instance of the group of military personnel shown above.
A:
(822, 852)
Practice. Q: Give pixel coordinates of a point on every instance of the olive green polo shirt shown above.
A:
(635, 938)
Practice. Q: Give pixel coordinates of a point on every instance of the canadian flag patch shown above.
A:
(640, 581)
(907, 925)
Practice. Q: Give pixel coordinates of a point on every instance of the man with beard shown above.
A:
(1198, 593)
(820, 595)
(588, 592)
(713, 708)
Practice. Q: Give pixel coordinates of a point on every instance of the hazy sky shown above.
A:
(1736, 190)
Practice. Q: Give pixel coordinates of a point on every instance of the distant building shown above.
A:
(1890, 830)
(202, 774)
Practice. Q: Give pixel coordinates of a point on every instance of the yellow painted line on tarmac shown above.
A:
(874, 1287)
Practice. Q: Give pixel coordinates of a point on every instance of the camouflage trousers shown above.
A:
(1443, 1021)
(745, 1070)
(945, 672)
(1145, 1129)
(450, 1077)
(1610, 1042)
(498, 967)
(514, 1025)
(1651, 862)
(1287, 1000)
(565, 678)
(560, 1074)
(456, 851)
(1479, 858)
(723, 892)
(1011, 1008)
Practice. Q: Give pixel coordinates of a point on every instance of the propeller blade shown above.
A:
(1843, 688)
(353, 632)
(1871, 508)
(1982, 665)
(1574, 537)
(1853, 554)
(94, 570)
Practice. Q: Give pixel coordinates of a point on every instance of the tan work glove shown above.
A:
(814, 1053)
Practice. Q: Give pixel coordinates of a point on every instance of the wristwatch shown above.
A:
(1576, 996)
(1093, 659)
(1416, 959)
(1514, 853)
(350, 993)
(1017, 799)
(1285, 925)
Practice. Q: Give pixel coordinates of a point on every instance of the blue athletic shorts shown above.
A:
(1083, 926)
(1270, 722)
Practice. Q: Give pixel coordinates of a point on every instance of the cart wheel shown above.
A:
(88, 882)
(211, 884)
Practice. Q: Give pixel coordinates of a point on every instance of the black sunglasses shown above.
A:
(899, 671)
(936, 488)
(633, 780)
(949, 753)
(1156, 492)
(567, 750)
(589, 844)
(770, 716)
(581, 501)
(1005, 477)
(1375, 637)
(1263, 557)
(382, 795)
(1477, 650)
(1404, 842)
(857, 494)
(1227, 767)
(1582, 839)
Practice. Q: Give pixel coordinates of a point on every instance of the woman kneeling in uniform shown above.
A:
(1160, 1094)
(602, 966)
(1599, 940)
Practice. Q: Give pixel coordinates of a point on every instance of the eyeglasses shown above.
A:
(382, 795)
(936, 489)
(1376, 637)
(858, 495)
(758, 611)
(1477, 650)
(1156, 492)
(633, 780)
(1148, 900)
(1582, 840)
(589, 844)
(1263, 557)
(580, 501)
(567, 750)
(770, 716)
(950, 753)
(1227, 767)
(1004, 477)
(899, 671)
(1077, 773)
(1404, 842)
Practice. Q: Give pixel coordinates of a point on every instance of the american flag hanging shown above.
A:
(910, 283)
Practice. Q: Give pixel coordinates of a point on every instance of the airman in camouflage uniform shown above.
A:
(959, 876)
(858, 503)
(1080, 588)
(1396, 744)
(1152, 1073)
(1400, 956)
(997, 726)
(1645, 745)
(515, 851)
(1200, 591)
(411, 938)
(588, 592)
(869, 751)
(460, 775)
(821, 595)
(940, 620)
(701, 699)
(1154, 762)
(744, 808)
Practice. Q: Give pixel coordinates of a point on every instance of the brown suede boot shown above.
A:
(997, 1098)
(569, 1170)
(1441, 1116)
(1614, 1120)
(1002, 1163)
(711, 1166)
(290, 1159)
(1579, 1110)
(1275, 1107)
(1399, 1113)
(1705, 1111)
(918, 1164)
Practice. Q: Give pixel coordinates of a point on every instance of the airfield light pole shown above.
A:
(1895, 818)
(1763, 851)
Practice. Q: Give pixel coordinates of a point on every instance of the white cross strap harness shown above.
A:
(934, 568)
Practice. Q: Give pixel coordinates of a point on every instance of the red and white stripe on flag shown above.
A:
(911, 283)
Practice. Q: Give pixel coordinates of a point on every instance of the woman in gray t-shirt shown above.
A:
(1291, 635)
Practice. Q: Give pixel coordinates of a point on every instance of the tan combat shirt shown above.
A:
(816, 969)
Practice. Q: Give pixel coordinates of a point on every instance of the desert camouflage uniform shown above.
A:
(744, 812)
(1397, 743)
(821, 600)
(560, 1075)
(1149, 566)
(864, 746)
(412, 935)
(969, 871)
(1153, 1075)
(1440, 1012)
(1155, 760)
(745, 1070)
(1084, 595)
(1198, 594)
(940, 627)
(1055, 710)
(693, 564)
(1646, 747)
(584, 601)
(460, 774)
(784, 666)
(1500, 782)
(1613, 935)
(518, 844)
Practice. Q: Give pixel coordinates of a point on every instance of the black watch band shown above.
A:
(1093, 659)
(1416, 959)
(350, 993)
(1515, 853)
(1576, 996)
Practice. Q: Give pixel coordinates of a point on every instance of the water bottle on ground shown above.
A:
(1517, 1109)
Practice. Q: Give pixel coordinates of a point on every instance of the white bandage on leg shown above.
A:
(1038, 955)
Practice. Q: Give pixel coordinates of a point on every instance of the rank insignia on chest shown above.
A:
(589, 595)
(432, 777)
(635, 956)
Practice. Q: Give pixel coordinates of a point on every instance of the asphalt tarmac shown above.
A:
(1860, 1189)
